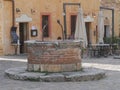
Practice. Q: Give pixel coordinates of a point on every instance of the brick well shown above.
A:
(54, 56)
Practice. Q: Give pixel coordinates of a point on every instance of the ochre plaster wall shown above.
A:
(52, 7)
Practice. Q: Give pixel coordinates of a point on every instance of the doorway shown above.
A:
(106, 31)
(87, 25)
(73, 25)
(23, 36)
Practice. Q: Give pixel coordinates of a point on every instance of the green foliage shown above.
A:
(107, 40)
(110, 40)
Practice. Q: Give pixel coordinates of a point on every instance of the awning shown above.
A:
(23, 18)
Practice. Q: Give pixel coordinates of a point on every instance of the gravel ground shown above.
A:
(110, 65)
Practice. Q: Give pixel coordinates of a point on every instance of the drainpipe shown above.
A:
(13, 28)
(13, 13)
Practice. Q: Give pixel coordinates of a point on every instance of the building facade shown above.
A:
(41, 19)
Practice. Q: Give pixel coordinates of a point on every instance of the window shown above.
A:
(45, 25)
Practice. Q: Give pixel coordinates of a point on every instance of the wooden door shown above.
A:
(23, 31)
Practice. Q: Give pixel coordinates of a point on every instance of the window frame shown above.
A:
(49, 23)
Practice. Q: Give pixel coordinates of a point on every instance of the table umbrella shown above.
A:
(80, 30)
(100, 27)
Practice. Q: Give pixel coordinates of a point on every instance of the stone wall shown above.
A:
(1, 48)
(1, 28)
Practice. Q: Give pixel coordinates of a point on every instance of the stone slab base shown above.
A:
(54, 67)
(85, 75)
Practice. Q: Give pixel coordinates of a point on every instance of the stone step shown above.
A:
(87, 74)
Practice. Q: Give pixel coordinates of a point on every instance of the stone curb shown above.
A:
(87, 74)
(116, 57)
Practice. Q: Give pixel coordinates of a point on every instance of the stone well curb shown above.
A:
(87, 74)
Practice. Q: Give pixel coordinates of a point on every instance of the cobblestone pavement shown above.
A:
(110, 65)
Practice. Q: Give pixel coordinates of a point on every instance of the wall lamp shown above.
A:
(85, 14)
(33, 11)
(93, 14)
(18, 10)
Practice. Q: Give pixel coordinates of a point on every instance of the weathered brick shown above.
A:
(50, 56)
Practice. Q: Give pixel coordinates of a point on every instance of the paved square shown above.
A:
(110, 65)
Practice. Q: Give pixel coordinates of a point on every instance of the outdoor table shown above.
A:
(98, 50)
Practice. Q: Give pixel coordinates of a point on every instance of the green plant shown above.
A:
(107, 40)
(111, 40)
(83, 50)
